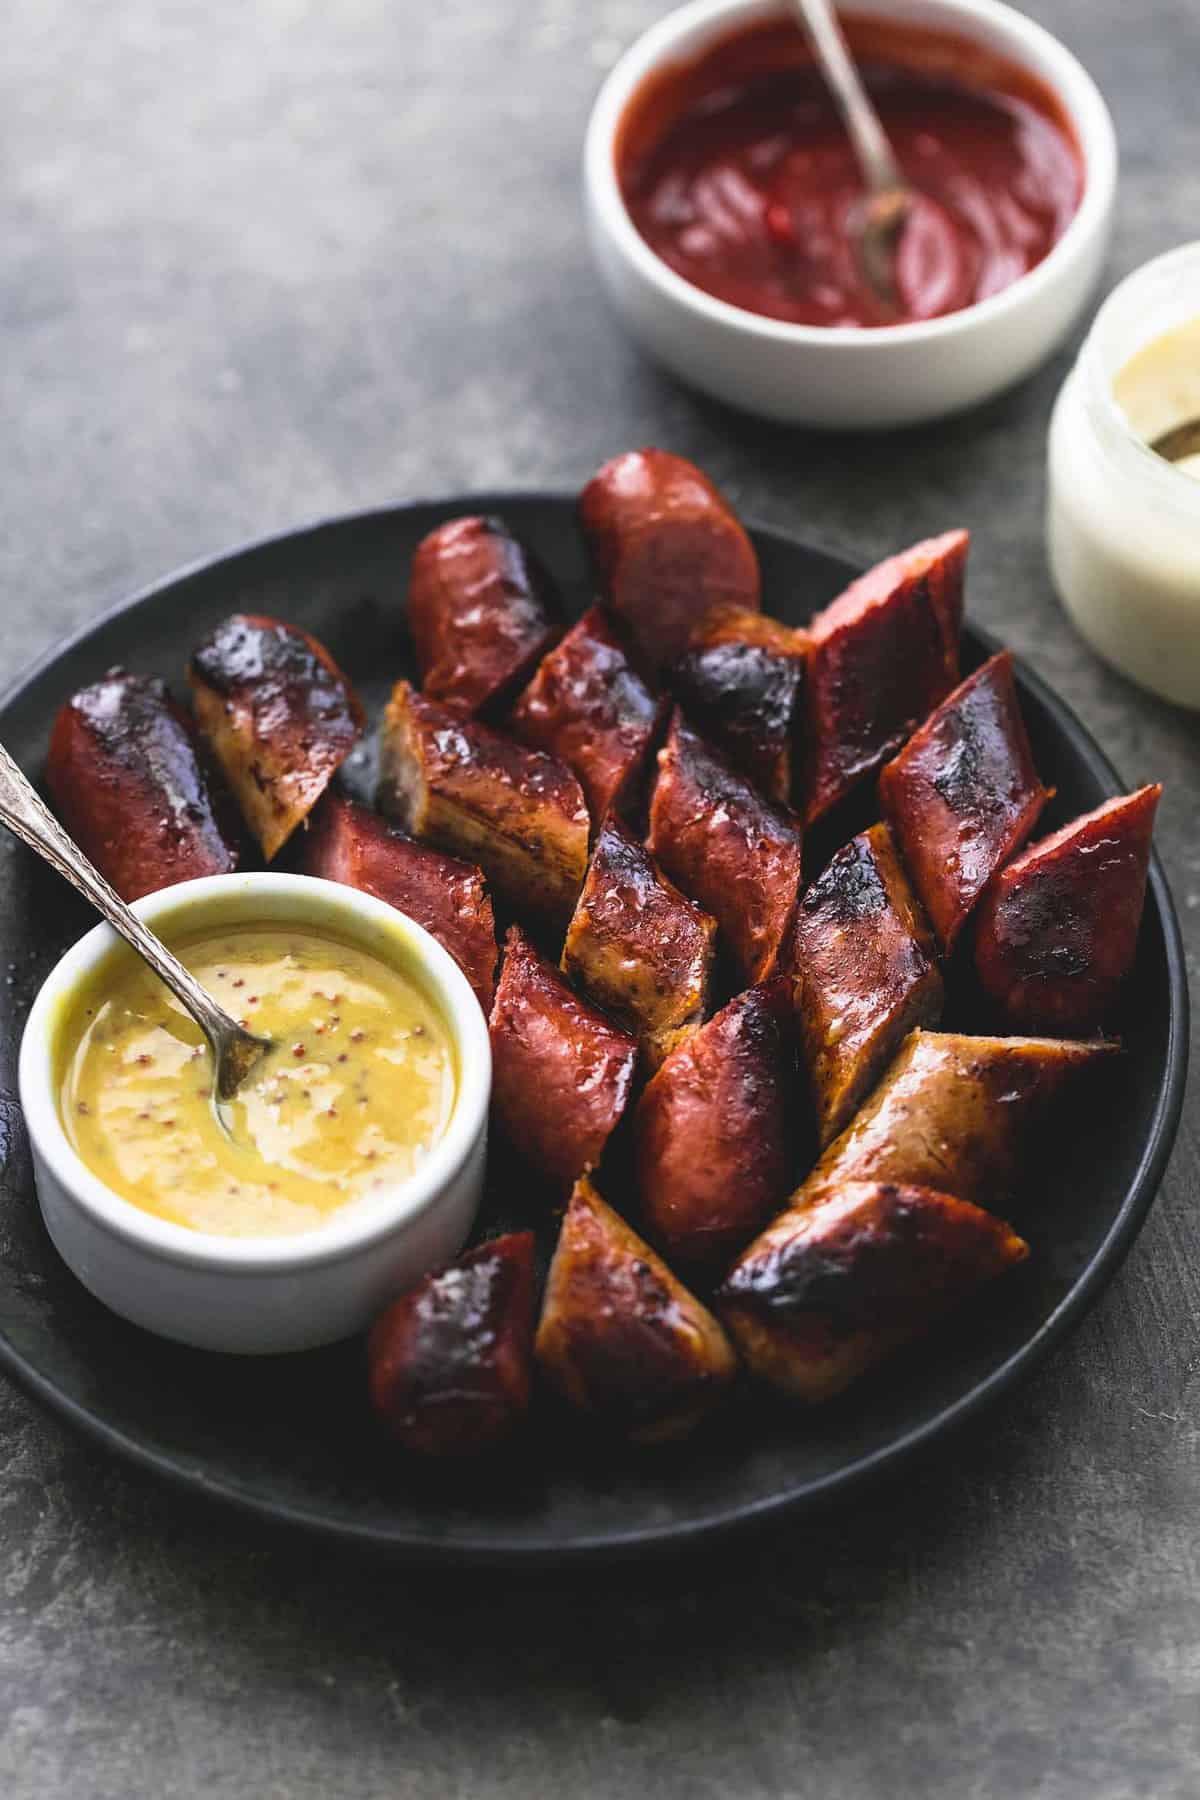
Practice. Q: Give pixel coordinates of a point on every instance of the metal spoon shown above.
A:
(235, 1050)
(889, 198)
(1182, 440)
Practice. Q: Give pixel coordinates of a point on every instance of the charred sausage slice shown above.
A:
(451, 1361)
(518, 814)
(481, 609)
(860, 957)
(588, 706)
(620, 1337)
(955, 1112)
(882, 655)
(1058, 928)
(637, 946)
(562, 1073)
(128, 782)
(279, 715)
(963, 794)
(741, 682)
(668, 548)
(824, 1295)
(732, 851)
(349, 844)
(712, 1143)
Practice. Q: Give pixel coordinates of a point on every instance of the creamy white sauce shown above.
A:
(1159, 387)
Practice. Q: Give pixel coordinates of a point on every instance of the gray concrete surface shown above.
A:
(267, 260)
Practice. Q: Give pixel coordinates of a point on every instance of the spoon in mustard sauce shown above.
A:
(882, 216)
(235, 1051)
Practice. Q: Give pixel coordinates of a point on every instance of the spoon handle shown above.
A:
(23, 810)
(858, 113)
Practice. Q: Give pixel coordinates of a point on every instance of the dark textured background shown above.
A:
(267, 261)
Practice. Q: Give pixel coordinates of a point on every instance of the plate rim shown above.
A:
(494, 1548)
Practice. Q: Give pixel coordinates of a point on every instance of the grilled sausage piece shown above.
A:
(562, 1073)
(954, 1112)
(637, 946)
(733, 852)
(669, 550)
(481, 609)
(349, 844)
(710, 1133)
(861, 960)
(882, 656)
(280, 716)
(464, 788)
(128, 784)
(963, 794)
(620, 1336)
(824, 1295)
(1057, 929)
(451, 1361)
(741, 682)
(588, 706)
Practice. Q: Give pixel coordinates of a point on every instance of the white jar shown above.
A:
(1122, 524)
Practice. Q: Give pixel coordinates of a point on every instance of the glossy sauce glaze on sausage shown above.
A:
(669, 550)
(963, 794)
(447, 896)
(481, 609)
(620, 1337)
(861, 961)
(738, 856)
(637, 946)
(279, 715)
(823, 1295)
(451, 1361)
(713, 1133)
(125, 773)
(1057, 929)
(562, 1072)
(587, 705)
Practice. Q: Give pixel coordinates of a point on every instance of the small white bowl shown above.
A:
(263, 1294)
(844, 376)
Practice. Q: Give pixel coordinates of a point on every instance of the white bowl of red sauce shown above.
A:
(720, 191)
(350, 1162)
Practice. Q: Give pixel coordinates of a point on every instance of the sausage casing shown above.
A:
(956, 1113)
(518, 814)
(562, 1073)
(882, 655)
(620, 1336)
(448, 897)
(637, 946)
(741, 683)
(669, 550)
(588, 706)
(732, 851)
(824, 1295)
(481, 609)
(963, 794)
(279, 715)
(711, 1137)
(860, 956)
(1057, 929)
(127, 780)
(451, 1361)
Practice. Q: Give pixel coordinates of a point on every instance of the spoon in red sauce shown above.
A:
(880, 220)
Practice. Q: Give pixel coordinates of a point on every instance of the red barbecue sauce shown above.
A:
(738, 174)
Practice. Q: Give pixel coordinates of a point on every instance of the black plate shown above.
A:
(289, 1437)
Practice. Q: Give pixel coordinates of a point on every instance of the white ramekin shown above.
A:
(843, 376)
(256, 1295)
